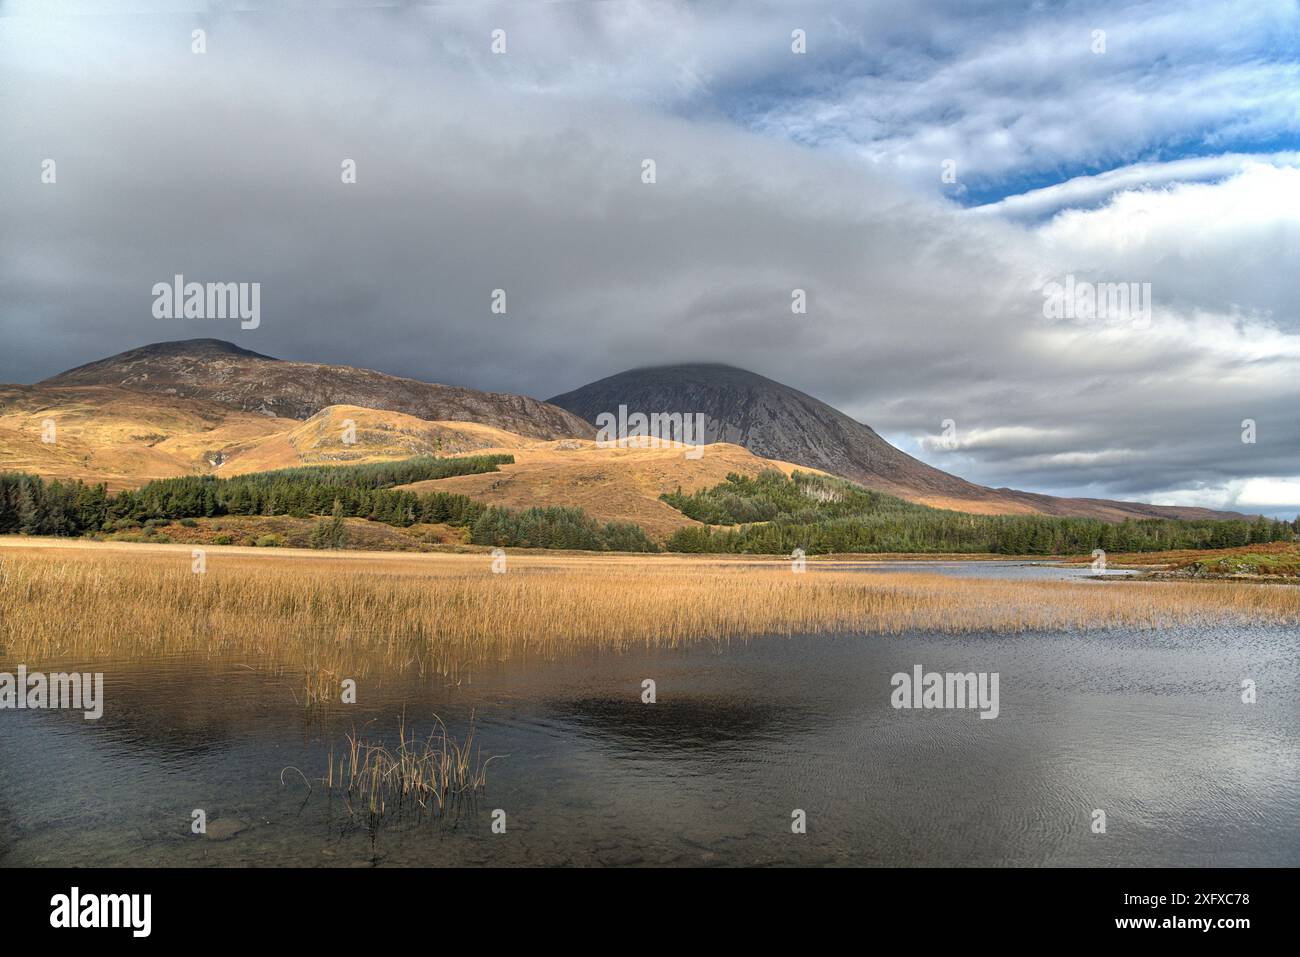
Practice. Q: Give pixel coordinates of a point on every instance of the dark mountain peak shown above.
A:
(702, 373)
(178, 349)
(701, 369)
(779, 422)
(705, 386)
(119, 369)
(768, 418)
(200, 347)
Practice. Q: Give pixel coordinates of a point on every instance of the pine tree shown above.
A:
(338, 530)
(29, 516)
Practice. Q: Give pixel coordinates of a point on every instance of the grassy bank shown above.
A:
(1268, 559)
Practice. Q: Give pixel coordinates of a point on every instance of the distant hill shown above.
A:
(221, 372)
(777, 422)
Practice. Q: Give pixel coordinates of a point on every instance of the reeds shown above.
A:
(426, 777)
(345, 613)
(319, 689)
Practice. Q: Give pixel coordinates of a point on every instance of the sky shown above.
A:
(931, 175)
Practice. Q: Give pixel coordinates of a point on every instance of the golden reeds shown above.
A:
(424, 776)
(344, 613)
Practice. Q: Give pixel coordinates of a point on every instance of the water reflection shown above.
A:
(687, 727)
(1146, 725)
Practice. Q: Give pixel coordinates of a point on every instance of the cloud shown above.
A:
(1217, 247)
(1014, 95)
(523, 173)
(1250, 495)
(1087, 191)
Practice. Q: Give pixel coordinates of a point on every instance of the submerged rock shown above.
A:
(224, 829)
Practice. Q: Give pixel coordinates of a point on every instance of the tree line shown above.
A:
(31, 506)
(773, 514)
(767, 514)
(557, 527)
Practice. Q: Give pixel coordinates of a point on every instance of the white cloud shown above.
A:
(1014, 92)
(1085, 191)
(998, 437)
(1222, 250)
(1279, 495)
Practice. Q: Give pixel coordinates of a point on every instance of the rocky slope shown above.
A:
(221, 372)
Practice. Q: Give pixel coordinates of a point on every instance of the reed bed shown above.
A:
(343, 614)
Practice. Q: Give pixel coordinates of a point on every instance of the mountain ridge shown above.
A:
(222, 372)
(769, 419)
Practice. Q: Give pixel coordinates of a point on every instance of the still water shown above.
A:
(1002, 570)
(1147, 726)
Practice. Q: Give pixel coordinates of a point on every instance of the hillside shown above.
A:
(223, 373)
(378, 435)
(125, 438)
(120, 437)
(611, 485)
(775, 421)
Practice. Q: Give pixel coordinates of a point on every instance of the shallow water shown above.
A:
(1148, 726)
(1000, 570)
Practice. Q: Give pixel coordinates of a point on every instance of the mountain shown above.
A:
(124, 438)
(207, 405)
(223, 373)
(777, 422)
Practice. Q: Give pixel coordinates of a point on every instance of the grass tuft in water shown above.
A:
(427, 777)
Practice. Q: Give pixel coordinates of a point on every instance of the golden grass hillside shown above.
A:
(378, 435)
(125, 438)
(343, 613)
(120, 437)
(611, 484)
